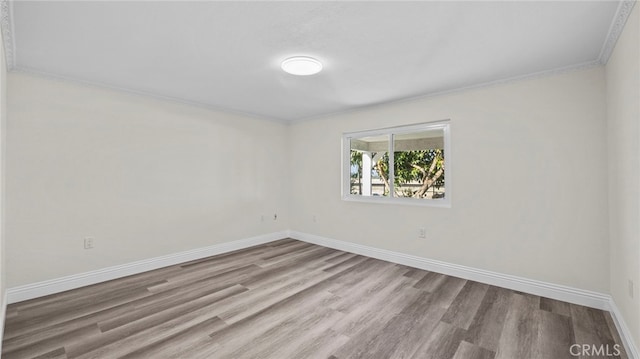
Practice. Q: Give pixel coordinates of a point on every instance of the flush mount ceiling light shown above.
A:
(301, 66)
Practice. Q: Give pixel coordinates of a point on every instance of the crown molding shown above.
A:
(615, 30)
(454, 90)
(620, 19)
(147, 94)
(6, 25)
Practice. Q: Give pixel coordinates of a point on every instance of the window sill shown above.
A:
(441, 203)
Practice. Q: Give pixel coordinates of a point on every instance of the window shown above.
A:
(406, 164)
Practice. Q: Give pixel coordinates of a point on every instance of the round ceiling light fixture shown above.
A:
(301, 66)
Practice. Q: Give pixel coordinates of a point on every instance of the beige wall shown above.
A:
(623, 104)
(146, 178)
(3, 122)
(143, 177)
(529, 192)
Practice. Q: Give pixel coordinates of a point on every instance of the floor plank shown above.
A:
(487, 326)
(519, 336)
(463, 309)
(290, 299)
(590, 327)
(467, 350)
(442, 343)
(555, 336)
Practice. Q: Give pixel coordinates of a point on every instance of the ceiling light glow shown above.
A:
(301, 66)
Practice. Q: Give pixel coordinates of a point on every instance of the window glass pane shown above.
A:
(369, 166)
(414, 173)
(419, 164)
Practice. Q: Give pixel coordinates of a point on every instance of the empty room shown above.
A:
(322, 179)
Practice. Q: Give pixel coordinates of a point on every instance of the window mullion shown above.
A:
(391, 167)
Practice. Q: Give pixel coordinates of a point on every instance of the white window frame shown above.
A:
(444, 125)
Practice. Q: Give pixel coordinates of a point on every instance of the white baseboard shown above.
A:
(549, 290)
(40, 289)
(623, 329)
(3, 316)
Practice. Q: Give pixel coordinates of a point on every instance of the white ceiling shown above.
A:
(227, 55)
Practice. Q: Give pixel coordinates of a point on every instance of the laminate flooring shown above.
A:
(291, 299)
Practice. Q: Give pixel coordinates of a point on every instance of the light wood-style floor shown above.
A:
(290, 299)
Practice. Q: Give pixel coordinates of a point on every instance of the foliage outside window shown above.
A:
(416, 171)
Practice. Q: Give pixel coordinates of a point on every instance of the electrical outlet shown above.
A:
(88, 242)
(422, 233)
(630, 288)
